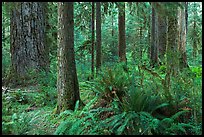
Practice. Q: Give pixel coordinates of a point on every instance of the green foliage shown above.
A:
(88, 122)
(76, 122)
(138, 100)
(51, 30)
(20, 119)
(17, 96)
(135, 100)
(162, 69)
(170, 126)
(113, 82)
(197, 71)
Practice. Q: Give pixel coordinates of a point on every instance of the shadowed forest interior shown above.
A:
(102, 68)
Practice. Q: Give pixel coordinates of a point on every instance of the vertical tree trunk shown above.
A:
(195, 47)
(149, 38)
(93, 39)
(113, 45)
(172, 43)
(98, 36)
(3, 30)
(121, 29)
(27, 33)
(67, 82)
(182, 37)
(162, 36)
(154, 36)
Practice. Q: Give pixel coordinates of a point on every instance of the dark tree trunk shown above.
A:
(67, 82)
(154, 40)
(27, 33)
(93, 39)
(121, 30)
(98, 36)
(162, 36)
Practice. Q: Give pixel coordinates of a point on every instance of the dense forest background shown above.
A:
(124, 68)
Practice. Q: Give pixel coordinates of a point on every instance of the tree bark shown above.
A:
(113, 47)
(93, 39)
(182, 37)
(154, 40)
(121, 30)
(195, 47)
(27, 38)
(162, 36)
(172, 43)
(67, 82)
(98, 36)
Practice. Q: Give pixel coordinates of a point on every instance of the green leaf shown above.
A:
(178, 114)
(76, 106)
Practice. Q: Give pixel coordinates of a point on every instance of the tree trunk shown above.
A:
(182, 37)
(154, 43)
(162, 36)
(121, 29)
(67, 82)
(113, 47)
(172, 46)
(98, 36)
(195, 47)
(27, 33)
(149, 38)
(93, 39)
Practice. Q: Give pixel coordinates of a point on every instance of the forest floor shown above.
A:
(27, 111)
(30, 110)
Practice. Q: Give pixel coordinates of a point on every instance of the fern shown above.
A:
(171, 126)
(77, 121)
(178, 114)
(62, 128)
(111, 82)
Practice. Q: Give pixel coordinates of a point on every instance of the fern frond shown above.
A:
(62, 128)
(76, 106)
(178, 114)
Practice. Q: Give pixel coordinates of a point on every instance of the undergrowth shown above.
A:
(118, 102)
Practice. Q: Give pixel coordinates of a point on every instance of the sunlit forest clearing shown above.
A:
(101, 68)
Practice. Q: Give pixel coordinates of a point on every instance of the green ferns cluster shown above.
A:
(87, 122)
(132, 110)
(112, 82)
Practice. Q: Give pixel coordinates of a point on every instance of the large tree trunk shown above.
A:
(182, 37)
(172, 46)
(195, 47)
(154, 40)
(27, 33)
(67, 82)
(98, 36)
(121, 29)
(92, 39)
(162, 36)
(113, 48)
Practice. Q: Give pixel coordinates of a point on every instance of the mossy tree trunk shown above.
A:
(154, 39)
(67, 82)
(121, 35)
(92, 39)
(113, 48)
(172, 43)
(27, 38)
(98, 36)
(182, 25)
(162, 36)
